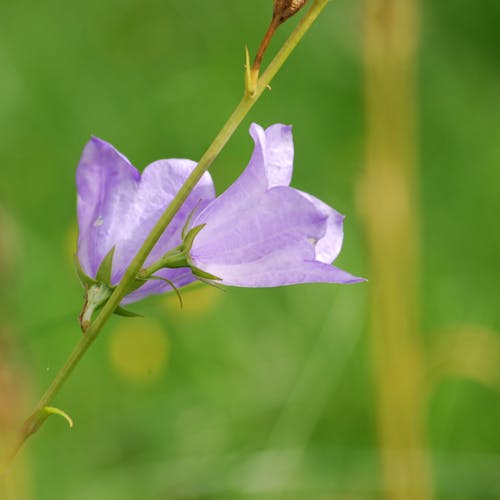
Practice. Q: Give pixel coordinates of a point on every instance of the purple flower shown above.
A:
(118, 207)
(262, 233)
(259, 233)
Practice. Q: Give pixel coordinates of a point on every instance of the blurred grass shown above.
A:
(265, 392)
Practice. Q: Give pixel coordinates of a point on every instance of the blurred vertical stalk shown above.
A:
(389, 195)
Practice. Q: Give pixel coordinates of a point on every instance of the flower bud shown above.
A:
(284, 9)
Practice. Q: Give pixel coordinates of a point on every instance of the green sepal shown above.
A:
(188, 221)
(174, 288)
(85, 280)
(174, 260)
(103, 274)
(141, 282)
(219, 286)
(188, 243)
(203, 274)
(191, 235)
(121, 311)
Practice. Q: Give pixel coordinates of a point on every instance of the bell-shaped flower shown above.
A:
(118, 207)
(262, 233)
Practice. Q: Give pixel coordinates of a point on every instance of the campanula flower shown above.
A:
(118, 207)
(261, 232)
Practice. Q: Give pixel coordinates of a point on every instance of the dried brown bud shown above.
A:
(284, 9)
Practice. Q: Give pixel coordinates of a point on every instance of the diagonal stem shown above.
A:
(32, 424)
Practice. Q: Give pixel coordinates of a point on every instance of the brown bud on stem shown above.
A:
(284, 9)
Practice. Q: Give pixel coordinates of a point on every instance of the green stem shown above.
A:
(174, 259)
(33, 423)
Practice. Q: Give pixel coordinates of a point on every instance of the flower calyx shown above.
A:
(179, 257)
(95, 297)
(98, 290)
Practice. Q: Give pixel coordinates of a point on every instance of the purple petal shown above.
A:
(279, 221)
(272, 243)
(278, 153)
(117, 207)
(106, 185)
(262, 233)
(159, 184)
(271, 165)
(279, 270)
(328, 247)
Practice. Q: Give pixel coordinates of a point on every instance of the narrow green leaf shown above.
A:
(103, 274)
(174, 288)
(191, 235)
(50, 410)
(121, 311)
(219, 286)
(189, 219)
(203, 274)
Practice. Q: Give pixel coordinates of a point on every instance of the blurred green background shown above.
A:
(247, 393)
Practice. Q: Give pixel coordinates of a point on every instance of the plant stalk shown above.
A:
(34, 422)
(389, 197)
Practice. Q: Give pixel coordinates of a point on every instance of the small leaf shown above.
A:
(50, 410)
(188, 220)
(249, 79)
(103, 274)
(174, 288)
(174, 259)
(219, 286)
(203, 274)
(191, 235)
(121, 311)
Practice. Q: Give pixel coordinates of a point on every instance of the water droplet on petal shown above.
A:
(99, 222)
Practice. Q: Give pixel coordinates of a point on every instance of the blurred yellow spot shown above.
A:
(198, 299)
(139, 350)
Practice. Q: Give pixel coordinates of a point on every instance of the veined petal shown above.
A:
(279, 270)
(279, 221)
(159, 183)
(272, 159)
(262, 233)
(271, 165)
(106, 185)
(117, 207)
(328, 247)
(277, 147)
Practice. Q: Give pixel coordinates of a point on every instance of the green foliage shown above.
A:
(263, 391)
